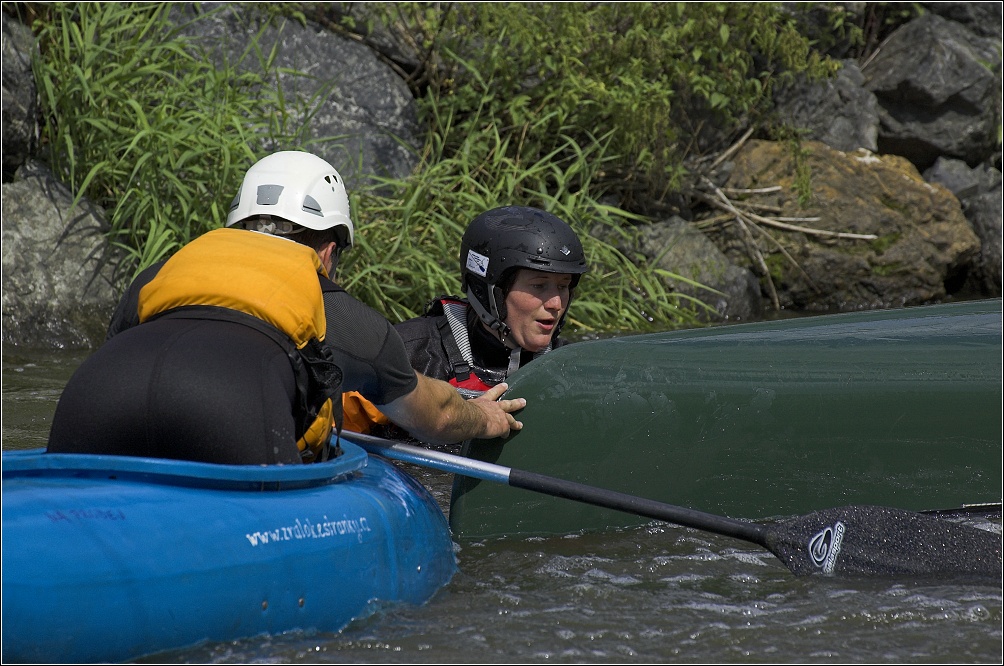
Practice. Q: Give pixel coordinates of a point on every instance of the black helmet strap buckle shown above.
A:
(496, 325)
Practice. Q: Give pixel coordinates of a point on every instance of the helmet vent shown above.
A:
(311, 206)
(268, 195)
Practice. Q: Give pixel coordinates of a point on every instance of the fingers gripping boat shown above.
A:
(121, 557)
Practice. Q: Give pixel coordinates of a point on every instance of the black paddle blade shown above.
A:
(881, 541)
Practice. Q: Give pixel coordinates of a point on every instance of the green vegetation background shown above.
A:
(576, 108)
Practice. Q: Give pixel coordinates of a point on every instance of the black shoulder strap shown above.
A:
(458, 361)
(329, 287)
(324, 380)
(461, 368)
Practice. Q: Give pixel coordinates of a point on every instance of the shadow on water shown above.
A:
(33, 380)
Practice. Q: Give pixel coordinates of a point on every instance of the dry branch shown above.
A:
(745, 217)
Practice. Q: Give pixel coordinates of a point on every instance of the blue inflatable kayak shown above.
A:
(109, 558)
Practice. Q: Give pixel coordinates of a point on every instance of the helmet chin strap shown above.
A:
(498, 327)
(514, 358)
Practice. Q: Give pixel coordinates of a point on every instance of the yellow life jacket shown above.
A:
(271, 278)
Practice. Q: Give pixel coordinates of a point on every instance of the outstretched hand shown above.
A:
(435, 413)
(499, 420)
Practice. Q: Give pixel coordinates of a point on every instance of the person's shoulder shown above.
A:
(419, 328)
(126, 313)
(328, 286)
(427, 323)
(148, 274)
(346, 311)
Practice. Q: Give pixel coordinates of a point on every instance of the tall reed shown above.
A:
(409, 240)
(141, 122)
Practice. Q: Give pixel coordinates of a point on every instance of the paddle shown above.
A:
(851, 540)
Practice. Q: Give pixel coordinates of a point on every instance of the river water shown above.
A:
(652, 594)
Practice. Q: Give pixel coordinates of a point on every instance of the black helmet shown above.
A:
(502, 239)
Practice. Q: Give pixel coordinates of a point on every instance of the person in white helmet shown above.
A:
(237, 349)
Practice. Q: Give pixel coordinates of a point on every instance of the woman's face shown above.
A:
(534, 306)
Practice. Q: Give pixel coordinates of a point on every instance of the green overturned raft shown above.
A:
(898, 408)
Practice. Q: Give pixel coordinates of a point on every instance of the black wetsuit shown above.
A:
(214, 391)
(431, 347)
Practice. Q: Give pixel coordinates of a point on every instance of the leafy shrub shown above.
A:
(667, 81)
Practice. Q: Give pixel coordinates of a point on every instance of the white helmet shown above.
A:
(294, 186)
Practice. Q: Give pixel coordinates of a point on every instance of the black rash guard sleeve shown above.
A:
(368, 350)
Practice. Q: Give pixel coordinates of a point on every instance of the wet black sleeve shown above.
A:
(368, 350)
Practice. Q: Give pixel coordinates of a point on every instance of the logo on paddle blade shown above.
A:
(825, 546)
